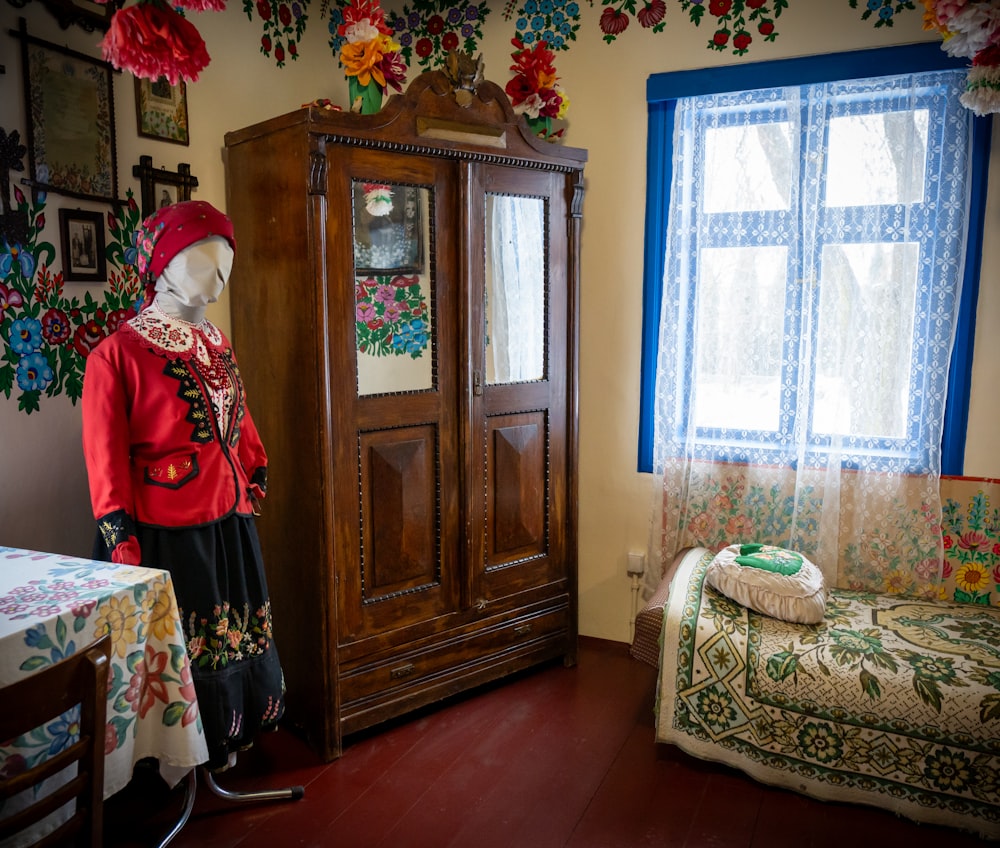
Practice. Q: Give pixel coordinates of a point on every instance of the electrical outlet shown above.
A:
(636, 563)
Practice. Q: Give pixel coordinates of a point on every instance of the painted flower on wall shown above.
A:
(972, 549)
(283, 23)
(46, 333)
(883, 11)
(555, 22)
(737, 22)
(427, 29)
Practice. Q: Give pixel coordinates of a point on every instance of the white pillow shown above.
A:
(773, 581)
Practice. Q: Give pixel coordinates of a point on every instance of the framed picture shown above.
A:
(161, 110)
(82, 237)
(388, 233)
(84, 13)
(159, 187)
(71, 121)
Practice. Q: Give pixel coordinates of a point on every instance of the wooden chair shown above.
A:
(29, 703)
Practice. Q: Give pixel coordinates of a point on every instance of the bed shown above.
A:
(889, 701)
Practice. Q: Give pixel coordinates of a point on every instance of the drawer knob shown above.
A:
(402, 671)
(522, 629)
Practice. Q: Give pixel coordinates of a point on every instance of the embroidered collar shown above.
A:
(173, 337)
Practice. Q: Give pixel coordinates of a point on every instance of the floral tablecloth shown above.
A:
(51, 606)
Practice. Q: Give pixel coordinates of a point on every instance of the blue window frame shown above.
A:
(664, 90)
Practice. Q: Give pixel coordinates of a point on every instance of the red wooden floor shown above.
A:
(556, 757)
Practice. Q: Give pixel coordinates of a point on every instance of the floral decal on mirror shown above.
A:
(392, 317)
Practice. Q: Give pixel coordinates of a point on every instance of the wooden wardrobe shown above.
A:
(405, 311)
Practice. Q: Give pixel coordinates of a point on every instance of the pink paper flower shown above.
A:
(152, 40)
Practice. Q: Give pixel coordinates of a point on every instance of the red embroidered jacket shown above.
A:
(167, 437)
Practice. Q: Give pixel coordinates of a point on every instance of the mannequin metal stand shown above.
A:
(291, 793)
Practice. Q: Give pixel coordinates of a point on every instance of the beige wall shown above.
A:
(43, 502)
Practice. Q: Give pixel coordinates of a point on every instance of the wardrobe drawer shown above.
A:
(421, 665)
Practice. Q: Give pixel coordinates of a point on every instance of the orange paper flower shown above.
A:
(363, 59)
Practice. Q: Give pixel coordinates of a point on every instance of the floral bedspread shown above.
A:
(890, 701)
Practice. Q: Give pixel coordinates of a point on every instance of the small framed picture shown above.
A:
(84, 13)
(160, 187)
(82, 235)
(388, 232)
(161, 110)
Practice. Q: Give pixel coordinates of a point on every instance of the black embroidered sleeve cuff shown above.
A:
(116, 527)
(259, 478)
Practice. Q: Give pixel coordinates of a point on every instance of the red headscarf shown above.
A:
(169, 230)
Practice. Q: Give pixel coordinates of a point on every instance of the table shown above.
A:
(51, 605)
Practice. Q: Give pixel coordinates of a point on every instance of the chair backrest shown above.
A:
(81, 678)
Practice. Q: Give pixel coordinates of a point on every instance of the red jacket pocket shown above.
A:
(171, 472)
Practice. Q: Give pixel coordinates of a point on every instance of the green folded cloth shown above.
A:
(769, 558)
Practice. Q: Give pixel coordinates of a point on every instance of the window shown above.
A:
(816, 246)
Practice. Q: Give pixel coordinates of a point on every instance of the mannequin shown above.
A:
(176, 471)
(194, 278)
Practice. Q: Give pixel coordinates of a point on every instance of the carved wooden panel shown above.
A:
(517, 502)
(399, 511)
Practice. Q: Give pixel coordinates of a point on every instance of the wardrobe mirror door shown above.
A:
(515, 288)
(393, 287)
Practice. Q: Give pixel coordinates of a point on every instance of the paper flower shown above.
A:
(378, 199)
(369, 55)
(971, 29)
(151, 40)
(534, 91)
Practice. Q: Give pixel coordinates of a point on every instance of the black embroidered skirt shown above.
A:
(225, 609)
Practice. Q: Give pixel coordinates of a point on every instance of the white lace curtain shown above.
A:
(815, 248)
(515, 288)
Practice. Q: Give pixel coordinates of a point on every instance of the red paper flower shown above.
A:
(202, 5)
(393, 68)
(534, 90)
(152, 41)
(363, 13)
(987, 56)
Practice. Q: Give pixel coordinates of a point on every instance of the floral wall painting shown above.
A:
(971, 532)
(159, 187)
(47, 334)
(377, 48)
(283, 24)
(427, 32)
(71, 121)
(82, 246)
(161, 110)
(13, 222)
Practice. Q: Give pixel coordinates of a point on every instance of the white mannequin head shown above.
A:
(194, 278)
